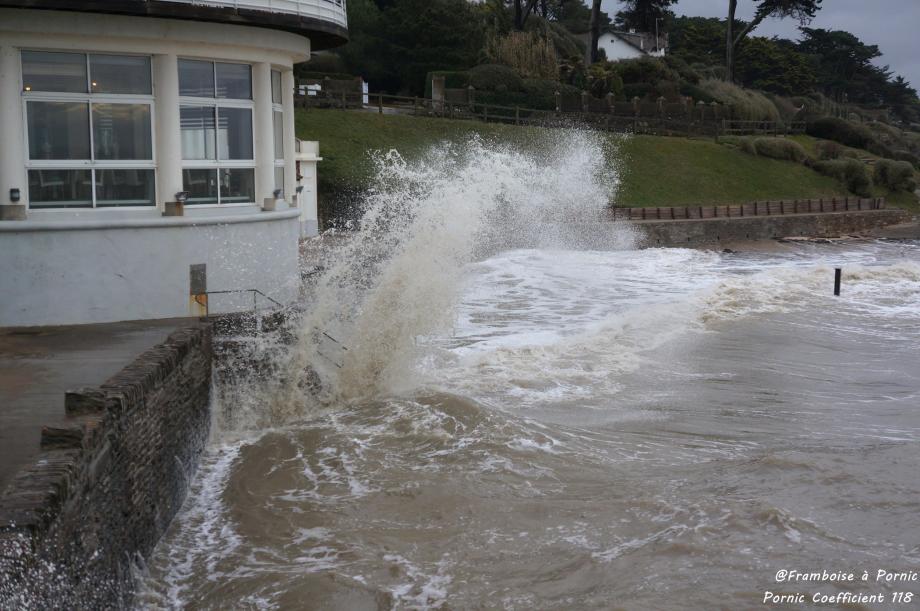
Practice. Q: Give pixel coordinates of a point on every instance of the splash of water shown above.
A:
(396, 278)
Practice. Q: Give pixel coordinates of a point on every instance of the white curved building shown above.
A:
(111, 111)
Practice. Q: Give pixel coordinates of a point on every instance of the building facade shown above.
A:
(113, 111)
(618, 45)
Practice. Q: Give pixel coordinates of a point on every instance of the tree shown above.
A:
(595, 28)
(644, 15)
(522, 10)
(774, 65)
(697, 40)
(803, 10)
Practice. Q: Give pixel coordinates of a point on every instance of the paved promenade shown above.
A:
(38, 364)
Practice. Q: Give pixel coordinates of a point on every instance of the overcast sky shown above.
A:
(891, 24)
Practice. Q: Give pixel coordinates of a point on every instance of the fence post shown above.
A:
(471, 97)
(380, 103)
(558, 96)
(517, 115)
(485, 113)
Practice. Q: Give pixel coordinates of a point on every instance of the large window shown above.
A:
(89, 129)
(216, 121)
(278, 129)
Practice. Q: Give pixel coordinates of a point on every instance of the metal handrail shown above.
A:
(255, 294)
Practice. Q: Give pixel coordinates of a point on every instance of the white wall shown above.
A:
(616, 48)
(92, 271)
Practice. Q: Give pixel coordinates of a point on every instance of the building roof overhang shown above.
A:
(323, 34)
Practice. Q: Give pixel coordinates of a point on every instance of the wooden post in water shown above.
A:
(837, 273)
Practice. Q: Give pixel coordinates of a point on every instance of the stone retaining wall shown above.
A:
(693, 232)
(764, 208)
(105, 488)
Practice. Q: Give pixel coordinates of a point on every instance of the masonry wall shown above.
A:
(693, 232)
(105, 489)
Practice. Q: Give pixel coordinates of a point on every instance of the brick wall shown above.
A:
(105, 488)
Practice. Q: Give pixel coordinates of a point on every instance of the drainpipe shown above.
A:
(13, 179)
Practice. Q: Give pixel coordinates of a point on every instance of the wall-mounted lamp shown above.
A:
(182, 196)
(14, 195)
(299, 189)
(278, 193)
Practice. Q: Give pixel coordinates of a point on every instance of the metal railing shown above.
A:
(327, 10)
(256, 293)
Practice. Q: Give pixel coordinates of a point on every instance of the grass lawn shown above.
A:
(655, 171)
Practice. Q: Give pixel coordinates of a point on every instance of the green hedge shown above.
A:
(842, 131)
(894, 175)
(850, 172)
(780, 148)
(495, 77)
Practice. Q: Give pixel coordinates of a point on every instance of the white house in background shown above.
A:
(619, 45)
(113, 114)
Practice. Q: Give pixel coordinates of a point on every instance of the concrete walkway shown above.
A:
(38, 364)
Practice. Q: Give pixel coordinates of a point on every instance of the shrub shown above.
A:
(602, 78)
(494, 77)
(894, 175)
(907, 156)
(645, 69)
(692, 91)
(851, 173)
(639, 90)
(879, 148)
(683, 69)
(745, 104)
(842, 131)
(530, 54)
(780, 148)
(787, 109)
(747, 145)
(828, 149)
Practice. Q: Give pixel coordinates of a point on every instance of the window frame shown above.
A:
(89, 99)
(279, 109)
(217, 103)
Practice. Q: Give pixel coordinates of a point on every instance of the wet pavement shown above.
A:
(39, 364)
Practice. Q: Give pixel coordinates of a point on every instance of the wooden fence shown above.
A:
(653, 119)
(765, 208)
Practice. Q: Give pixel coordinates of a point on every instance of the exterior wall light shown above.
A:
(14, 195)
(278, 193)
(182, 196)
(299, 189)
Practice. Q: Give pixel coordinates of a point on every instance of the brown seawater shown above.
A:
(565, 425)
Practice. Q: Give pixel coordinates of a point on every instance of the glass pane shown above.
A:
(237, 186)
(196, 78)
(119, 74)
(60, 189)
(58, 130)
(124, 188)
(198, 132)
(234, 137)
(43, 71)
(201, 186)
(276, 87)
(278, 126)
(122, 131)
(234, 81)
(279, 179)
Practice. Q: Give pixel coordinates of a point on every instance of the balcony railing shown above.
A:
(327, 10)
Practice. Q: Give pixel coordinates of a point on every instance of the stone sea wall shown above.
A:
(105, 488)
(715, 231)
